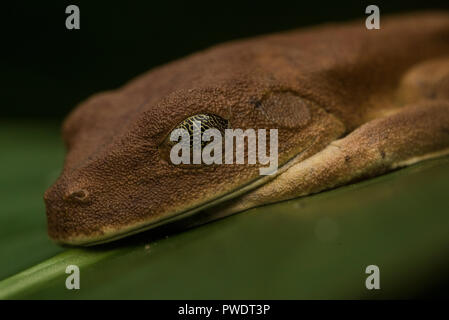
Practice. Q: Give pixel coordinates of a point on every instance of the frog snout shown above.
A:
(77, 195)
(71, 211)
(60, 194)
(65, 201)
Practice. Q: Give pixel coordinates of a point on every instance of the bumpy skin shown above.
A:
(314, 85)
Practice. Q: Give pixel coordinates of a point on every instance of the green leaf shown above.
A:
(313, 247)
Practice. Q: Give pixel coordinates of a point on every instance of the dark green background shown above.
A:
(48, 69)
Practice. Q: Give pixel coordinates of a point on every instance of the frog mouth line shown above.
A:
(189, 212)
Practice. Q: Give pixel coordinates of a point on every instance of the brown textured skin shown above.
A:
(315, 85)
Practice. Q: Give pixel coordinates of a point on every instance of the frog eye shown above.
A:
(203, 122)
(206, 121)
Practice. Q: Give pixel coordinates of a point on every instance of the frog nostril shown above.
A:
(81, 195)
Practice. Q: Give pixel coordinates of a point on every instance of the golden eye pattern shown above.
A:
(204, 120)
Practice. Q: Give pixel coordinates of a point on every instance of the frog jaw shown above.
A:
(112, 233)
